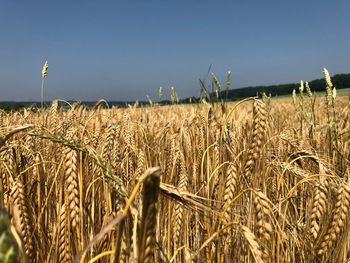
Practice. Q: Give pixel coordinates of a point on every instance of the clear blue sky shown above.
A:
(124, 50)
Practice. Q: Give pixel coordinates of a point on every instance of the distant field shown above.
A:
(343, 92)
(340, 92)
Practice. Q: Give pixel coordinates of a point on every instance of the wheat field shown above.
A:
(258, 180)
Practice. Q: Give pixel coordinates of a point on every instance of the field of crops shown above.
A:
(252, 181)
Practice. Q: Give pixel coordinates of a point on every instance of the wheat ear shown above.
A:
(338, 222)
(182, 186)
(230, 189)
(263, 216)
(21, 217)
(319, 208)
(253, 244)
(259, 135)
(147, 236)
(72, 184)
(63, 252)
